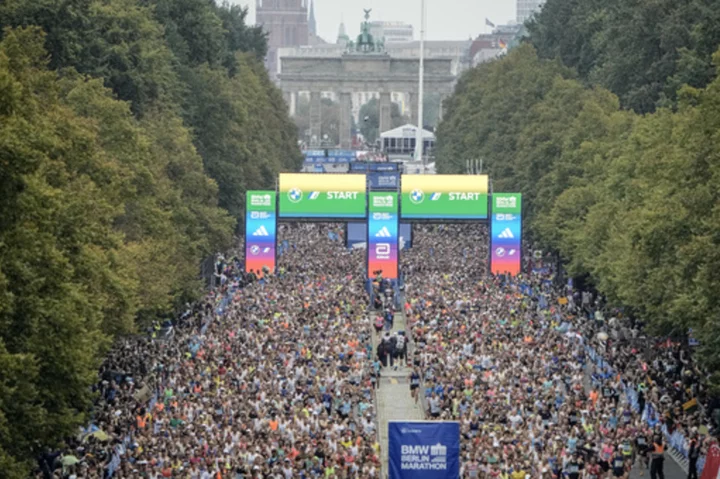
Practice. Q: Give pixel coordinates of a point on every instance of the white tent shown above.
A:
(407, 131)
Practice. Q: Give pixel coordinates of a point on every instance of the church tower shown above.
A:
(312, 26)
(286, 22)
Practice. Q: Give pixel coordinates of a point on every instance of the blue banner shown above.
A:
(358, 167)
(384, 180)
(357, 233)
(374, 166)
(424, 450)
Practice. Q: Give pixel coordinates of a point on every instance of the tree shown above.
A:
(329, 118)
(628, 201)
(370, 119)
(611, 44)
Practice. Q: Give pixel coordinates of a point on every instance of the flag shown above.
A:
(502, 44)
(690, 405)
(489, 23)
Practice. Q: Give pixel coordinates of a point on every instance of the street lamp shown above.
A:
(419, 132)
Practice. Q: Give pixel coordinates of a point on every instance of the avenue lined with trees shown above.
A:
(606, 118)
(129, 132)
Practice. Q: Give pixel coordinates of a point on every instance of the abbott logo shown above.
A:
(260, 200)
(382, 251)
(262, 231)
(505, 202)
(383, 233)
(383, 201)
(506, 234)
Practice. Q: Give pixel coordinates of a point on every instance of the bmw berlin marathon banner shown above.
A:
(424, 450)
(260, 231)
(320, 196)
(506, 233)
(383, 238)
(444, 197)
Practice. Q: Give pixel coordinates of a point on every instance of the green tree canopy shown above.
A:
(370, 119)
(642, 51)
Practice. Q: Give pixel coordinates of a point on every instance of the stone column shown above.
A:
(315, 118)
(413, 107)
(385, 111)
(345, 120)
(293, 103)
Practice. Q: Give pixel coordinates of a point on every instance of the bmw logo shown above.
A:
(500, 252)
(254, 249)
(417, 196)
(295, 195)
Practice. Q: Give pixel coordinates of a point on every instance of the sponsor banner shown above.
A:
(383, 180)
(506, 233)
(260, 231)
(313, 195)
(341, 154)
(357, 234)
(329, 156)
(382, 231)
(457, 197)
(378, 166)
(363, 166)
(424, 450)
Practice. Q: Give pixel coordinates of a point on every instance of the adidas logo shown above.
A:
(383, 233)
(261, 231)
(506, 234)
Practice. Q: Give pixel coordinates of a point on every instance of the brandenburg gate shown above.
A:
(364, 67)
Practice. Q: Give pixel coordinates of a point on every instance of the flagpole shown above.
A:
(419, 138)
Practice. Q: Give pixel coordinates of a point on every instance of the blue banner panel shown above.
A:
(357, 233)
(358, 167)
(424, 450)
(383, 166)
(384, 180)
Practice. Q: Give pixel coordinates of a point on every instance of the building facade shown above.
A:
(392, 32)
(526, 8)
(286, 22)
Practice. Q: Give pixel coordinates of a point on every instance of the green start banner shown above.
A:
(452, 197)
(317, 195)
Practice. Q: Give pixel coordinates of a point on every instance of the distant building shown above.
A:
(392, 32)
(458, 51)
(526, 8)
(342, 38)
(286, 22)
(488, 46)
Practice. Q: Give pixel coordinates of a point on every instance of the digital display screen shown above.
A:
(313, 196)
(452, 197)
(383, 235)
(506, 234)
(260, 231)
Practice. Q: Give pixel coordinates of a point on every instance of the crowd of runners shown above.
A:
(275, 377)
(507, 358)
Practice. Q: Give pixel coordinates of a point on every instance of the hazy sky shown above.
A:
(446, 19)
